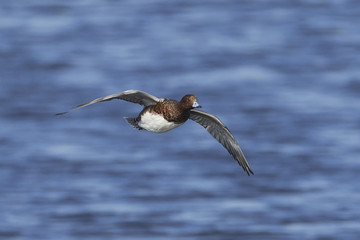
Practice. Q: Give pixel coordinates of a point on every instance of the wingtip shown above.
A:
(248, 171)
(61, 113)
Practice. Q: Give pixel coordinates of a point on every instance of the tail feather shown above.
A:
(133, 122)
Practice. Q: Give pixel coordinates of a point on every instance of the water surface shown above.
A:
(283, 76)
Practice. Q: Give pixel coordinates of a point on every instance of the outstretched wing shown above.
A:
(221, 133)
(134, 96)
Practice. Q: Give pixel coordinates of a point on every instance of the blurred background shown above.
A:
(282, 75)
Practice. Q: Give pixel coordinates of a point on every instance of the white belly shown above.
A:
(156, 123)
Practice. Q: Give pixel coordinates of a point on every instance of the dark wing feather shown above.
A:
(134, 96)
(221, 133)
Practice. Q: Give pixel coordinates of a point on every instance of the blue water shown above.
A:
(283, 76)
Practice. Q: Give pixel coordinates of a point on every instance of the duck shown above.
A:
(160, 115)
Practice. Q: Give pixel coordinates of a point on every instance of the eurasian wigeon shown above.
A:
(161, 114)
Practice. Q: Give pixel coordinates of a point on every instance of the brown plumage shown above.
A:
(172, 110)
(161, 115)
